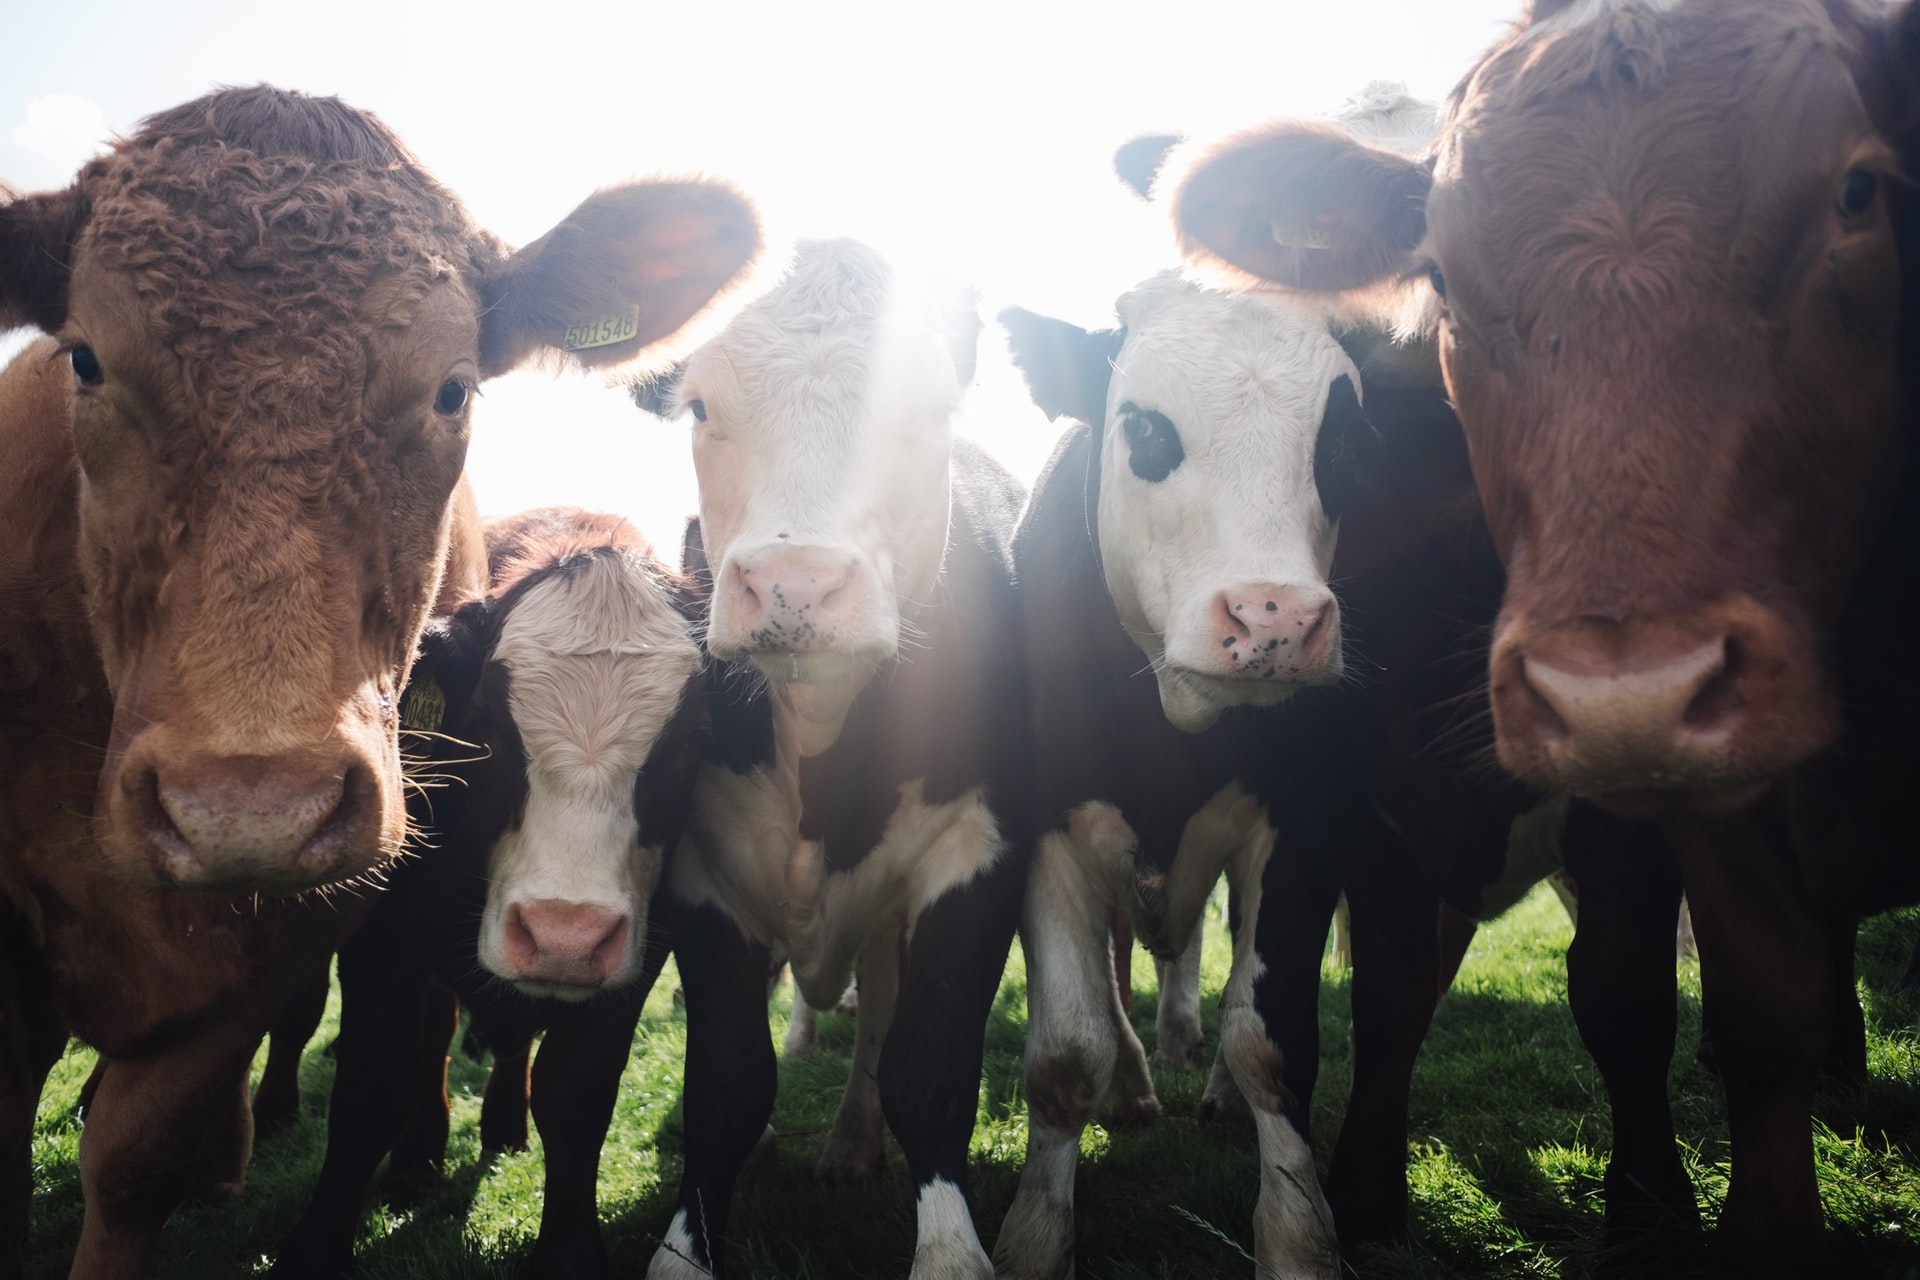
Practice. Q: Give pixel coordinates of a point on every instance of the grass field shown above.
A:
(1509, 1121)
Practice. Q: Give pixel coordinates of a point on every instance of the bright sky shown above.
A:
(970, 139)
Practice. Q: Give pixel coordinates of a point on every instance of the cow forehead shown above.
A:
(1226, 365)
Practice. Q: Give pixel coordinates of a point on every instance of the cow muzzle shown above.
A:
(569, 950)
(785, 599)
(1697, 713)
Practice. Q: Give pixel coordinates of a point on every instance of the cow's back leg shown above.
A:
(276, 1099)
(1074, 1021)
(803, 1028)
(729, 1085)
(1270, 1038)
(33, 1038)
(1766, 969)
(163, 1126)
(420, 1153)
(930, 1067)
(1177, 1036)
(503, 1107)
(1620, 984)
(854, 1146)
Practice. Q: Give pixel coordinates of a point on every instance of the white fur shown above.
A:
(946, 1247)
(1244, 378)
(599, 660)
(1583, 13)
(673, 1260)
(1176, 1025)
(829, 406)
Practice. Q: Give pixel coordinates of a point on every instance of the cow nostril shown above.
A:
(1532, 710)
(1226, 615)
(1718, 702)
(611, 950)
(517, 939)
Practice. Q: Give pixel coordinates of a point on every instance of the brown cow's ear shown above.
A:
(1138, 162)
(627, 269)
(37, 235)
(1302, 205)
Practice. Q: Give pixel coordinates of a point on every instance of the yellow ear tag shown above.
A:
(604, 331)
(425, 706)
(1313, 238)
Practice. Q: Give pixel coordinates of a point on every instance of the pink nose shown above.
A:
(263, 822)
(791, 598)
(1270, 632)
(574, 944)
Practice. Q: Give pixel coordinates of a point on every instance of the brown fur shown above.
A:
(222, 555)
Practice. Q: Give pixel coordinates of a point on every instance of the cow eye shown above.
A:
(86, 367)
(452, 398)
(1153, 446)
(1437, 280)
(699, 408)
(1857, 192)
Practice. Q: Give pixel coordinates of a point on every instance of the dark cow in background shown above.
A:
(229, 494)
(563, 709)
(1671, 251)
(857, 812)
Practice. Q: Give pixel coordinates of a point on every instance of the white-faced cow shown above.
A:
(1670, 247)
(856, 809)
(562, 710)
(230, 495)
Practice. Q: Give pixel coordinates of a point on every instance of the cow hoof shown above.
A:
(274, 1115)
(492, 1145)
(1226, 1106)
(297, 1261)
(578, 1258)
(950, 1260)
(849, 1161)
(410, 1187)
(1183, 1056)
(1134, 1112)
(1036, 1241)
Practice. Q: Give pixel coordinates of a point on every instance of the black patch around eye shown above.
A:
(1154, 450)
(1437, 280)
(1857, 192)
(86, 367)
(452, 398)
(699, 409)
(1346, 441)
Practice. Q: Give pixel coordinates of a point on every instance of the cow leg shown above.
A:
(32, 1037)
(1454, 934)
(375, 1090)
(503, 1107)
(1396, 978)
(930, 1067)
(420, 1153)
(276, 1099)
(1176, 1023)
(803, 1028)
(853, 1148)
(1620, 982)
(1766, 968)
(162, 1127)
(1074, 1029)
(1846, 1065)
(1123, 960)
(729, 1086)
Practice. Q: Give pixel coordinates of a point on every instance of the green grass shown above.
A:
(1510, 1132)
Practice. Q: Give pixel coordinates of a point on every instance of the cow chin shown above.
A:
(1192, 702)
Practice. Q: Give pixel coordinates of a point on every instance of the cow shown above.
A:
(231, 493)
(859, 810)
(1667, 252)
(564, 707)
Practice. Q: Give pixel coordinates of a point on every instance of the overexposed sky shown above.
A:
(971, 139)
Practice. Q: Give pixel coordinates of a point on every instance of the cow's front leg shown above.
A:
(162, 1126)
(729, 1089)
(930, 1068)
(1177, 1036)
(32, 1037)
(276, 1099)
(854, 1147)
(1270, 1038)
(1073, 1027)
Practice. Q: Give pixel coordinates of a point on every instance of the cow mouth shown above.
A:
(1193, 700)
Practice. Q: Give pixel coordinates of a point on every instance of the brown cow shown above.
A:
(228, 496)
(1665, 244)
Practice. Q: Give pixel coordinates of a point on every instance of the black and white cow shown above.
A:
(560, 716)
(856, 813)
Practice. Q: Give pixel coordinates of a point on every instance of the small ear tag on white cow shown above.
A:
(425, 706)
(603, 331)
(1311, 238)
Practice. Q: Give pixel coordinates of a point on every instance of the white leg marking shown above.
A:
(674, 1259)
(854, 1147)
(1176, 1024)
(947, 1247)
(803, 1029)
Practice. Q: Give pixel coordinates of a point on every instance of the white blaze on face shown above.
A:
(821, 437)
(1214, 540)
(598, 661)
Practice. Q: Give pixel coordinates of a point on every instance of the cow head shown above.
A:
(822, 427)
(275, 321)
(1662, 244)
(572, 699)
(1228, 429)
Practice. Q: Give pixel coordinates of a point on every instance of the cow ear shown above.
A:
(37, 235)
(1138, 162)
(1067, 368)
(693, 554)
(453, 648)
(957, 313)
(659, 393)
(1302, 205)
(628, 268)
